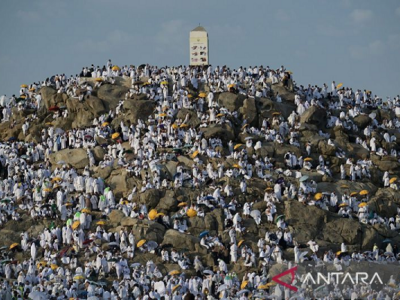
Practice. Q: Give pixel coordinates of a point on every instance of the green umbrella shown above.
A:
(279, 217)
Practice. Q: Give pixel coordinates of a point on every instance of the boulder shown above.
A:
(115, 217)
(362, 121)
(168, 202)
(224, 132)
(111, 94)
(77, 158)
(230, 101)
(150, 197)
(314, 115)
(180, 240)
(193, 120)
(249, 111)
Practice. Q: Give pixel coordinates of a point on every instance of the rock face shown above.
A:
(180, 240)
(249, 111)
(314, 115)
(77, 158)
(224, 132)
(111, 94)
(230, 101)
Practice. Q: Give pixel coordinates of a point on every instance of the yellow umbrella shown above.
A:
(23, 97)
(53, 267)
(105, 124)
(263, 286)
(202, 95)
(115, 135)
(182, 204)
(244, 284)
(47, 189)
(237, 146)
(269, 189)
(75, 225)
(339, 85)
(276, 113)
(220, 115)
(240, 243)
(290, 72)
(14, 245)
(363, 204)
(353, 194)
(162, 115)
(79, 277)
(174, 272)
(152, 214)
(32, 89)
(339, 252)
(124, 202)
(236, 166)
(24, 86)
(174, 126)
(41, 264)
(101, 223)
(175, 288)
(308, 159)
(231, 85)
(164, 82)
(116, 68)
(318, 196)
(343, 205)
(160, 215)
(86, 210)
(68, 204)
(48, 123)
(56, 179)
(344, 186)
(141, 243)
(191, 213)
(364, 192)
(184, 125)
(190, 96)
(393, 179)
(195, 153)
(99, 79)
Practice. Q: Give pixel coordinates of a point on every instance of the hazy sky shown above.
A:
(354, 42)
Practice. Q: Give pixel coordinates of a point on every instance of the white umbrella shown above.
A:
(209, 272)
(36, 295)
(222, 287)
(248, 138)
(303, 178)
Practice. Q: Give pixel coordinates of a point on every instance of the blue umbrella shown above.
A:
(13, 138)
(280, 180)
(210, 198)
(387, 241)
(203, 234)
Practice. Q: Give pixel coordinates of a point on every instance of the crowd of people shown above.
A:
(68, 260)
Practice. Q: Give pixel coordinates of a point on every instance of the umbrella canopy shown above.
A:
(343, 205)
(244, 284)
(393, 179)
(116, 68)
(364, 192)
(202, 95)
(243, 292)
(163, 115)
(339, 85)
(53, 267)
(237, 166)
(353, 194)
(209, 272)
(54, 108)
(79, 277)
(237, 146)
(115, 135)
(141, 243)
(344, 186)
(220, 115)
(195, 153)
(38, 295)
(14, 245)
(175, 288)
(191, 213)
(279, 217)
(75, 225)
(308, 159)
(99, 79)
(255, 214)
(101, 223)
(152, 214)
(174, 272)
(276, 113)
(86, 211)
(164, 82)
(303, 178)
(318, 196)
(240, 243)
(105, 124)
(56, 179)
(363, 204)
(184, 126)
(174, 126)
(222, 287)
(24, 85)
(182, 204)
(204, 233)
